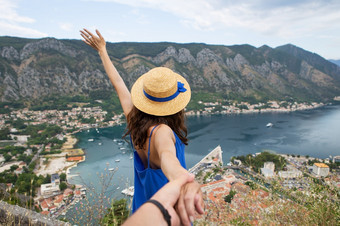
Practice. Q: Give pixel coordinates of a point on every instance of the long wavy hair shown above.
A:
(139, 122)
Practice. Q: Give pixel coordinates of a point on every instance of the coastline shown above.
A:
(197, 113)
(251, 110)
(57, 163)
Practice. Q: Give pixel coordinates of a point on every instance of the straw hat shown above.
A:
(160, 92)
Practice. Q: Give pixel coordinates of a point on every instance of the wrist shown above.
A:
(164, 212)
(102, 51)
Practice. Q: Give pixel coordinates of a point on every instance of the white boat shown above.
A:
(129, 191)
(112, 169)
(131, 157)
(91, 140)
(121, 148)
(270, 124)
(117, 160)
(114, 140)
(99, 143)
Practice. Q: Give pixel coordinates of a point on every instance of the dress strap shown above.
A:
(149, 145)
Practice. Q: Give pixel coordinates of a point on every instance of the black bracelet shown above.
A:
(165, 213)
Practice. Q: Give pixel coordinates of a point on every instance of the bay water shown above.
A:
(312, 132)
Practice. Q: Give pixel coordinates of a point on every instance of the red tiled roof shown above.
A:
(44, 204)
(59, 199)
(214, 182)
(72, 159)
(45, 212)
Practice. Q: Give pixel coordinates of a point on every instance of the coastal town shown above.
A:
(239, 194)
(49, 162)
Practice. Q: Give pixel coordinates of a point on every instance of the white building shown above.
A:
(49, 189)
(20, 138)
(290, 174)
(2, 159)
(269, 165)
(336, 159)
(267, 172)
(320, 169)
(268, 169)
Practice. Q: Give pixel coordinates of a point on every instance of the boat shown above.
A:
(121, 148)
(117, 160)
(131, 157)
(91, 140)
(129, 191)
(269, 124)
(99, 143)
(123, 152)
(114, 140)
(111, 169)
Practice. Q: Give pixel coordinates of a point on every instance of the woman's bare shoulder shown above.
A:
(163, 130)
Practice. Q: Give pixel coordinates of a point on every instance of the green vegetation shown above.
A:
(62, 186)
(25, 183)
(117, 213)
(4, 134)
(43, 134)
(230, 196)
(204, 97)
(62, 177)
(252, 185)
(258, 161)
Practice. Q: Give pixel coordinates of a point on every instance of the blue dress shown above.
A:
(148, 181)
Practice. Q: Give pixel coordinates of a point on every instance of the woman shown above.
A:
(155, 118)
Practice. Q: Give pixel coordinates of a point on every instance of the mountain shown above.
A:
(35, 68)
(337, 62)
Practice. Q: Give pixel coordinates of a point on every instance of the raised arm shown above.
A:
(98, 43)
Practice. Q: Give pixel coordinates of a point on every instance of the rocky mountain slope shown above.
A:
(337, 62)
(34, 68)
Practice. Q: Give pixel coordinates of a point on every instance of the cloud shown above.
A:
(7, 12)
(284, 18)
(66, 26)
(10, 21)
(15, 30)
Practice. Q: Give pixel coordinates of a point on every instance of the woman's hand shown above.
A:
(191, 199)
(98, 43)
(169, 194)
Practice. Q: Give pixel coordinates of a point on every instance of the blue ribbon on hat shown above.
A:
(180, 89)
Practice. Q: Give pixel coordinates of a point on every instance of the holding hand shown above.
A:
(96, 42)
(191, 199)
(167, 196)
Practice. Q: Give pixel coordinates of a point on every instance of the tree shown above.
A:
(47, 179)
(7, 157)
(4, 134)
(62, 177)
(62, 186)
(230, 196)
(14, 167)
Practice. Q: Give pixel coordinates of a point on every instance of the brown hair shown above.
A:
(139, 122)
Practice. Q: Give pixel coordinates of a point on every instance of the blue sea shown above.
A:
(312, 132)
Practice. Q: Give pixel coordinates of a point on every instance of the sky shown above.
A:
(313, 25)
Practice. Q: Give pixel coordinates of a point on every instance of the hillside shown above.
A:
(36, 68)
(337, 62)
